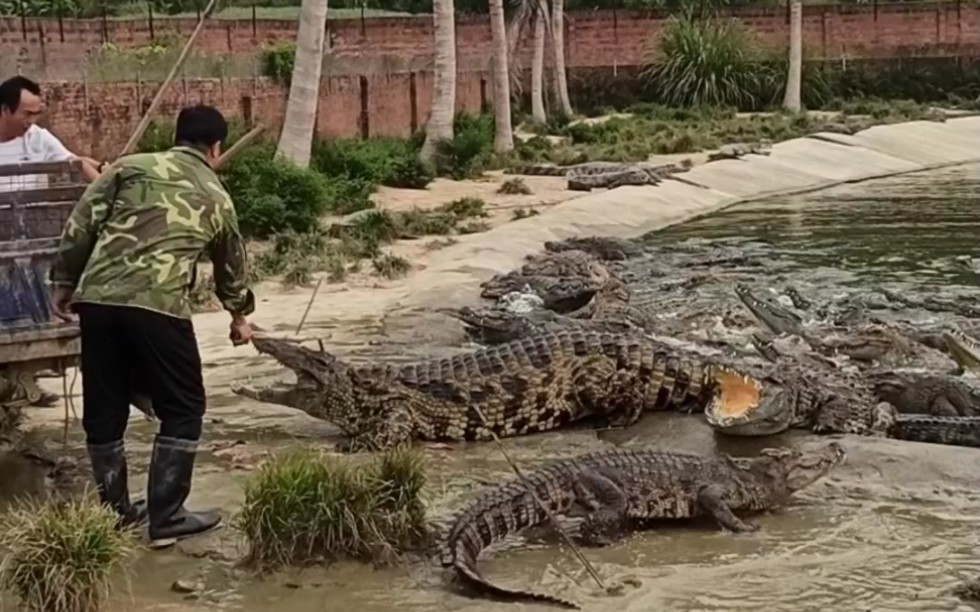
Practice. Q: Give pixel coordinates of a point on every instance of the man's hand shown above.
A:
(241, 331)
(61, 303)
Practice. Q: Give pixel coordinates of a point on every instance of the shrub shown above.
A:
(391, 266)
(464, 155)
(62, 556)
(710, 62)
(384, 161)
(514, 186)
(272, 195)
(277, 62)
(306, 506)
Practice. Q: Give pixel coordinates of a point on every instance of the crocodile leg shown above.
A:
(599, 389)
(712, 500)
(942, 406)
(607, 521)
(391, 426)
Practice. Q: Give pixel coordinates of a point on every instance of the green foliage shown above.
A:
(306, 506)
(62, 556)
(272, 195)
(514, 186)
(391, 266)
(705, 62)
(385, 161)
(277, 62)
(466, 154)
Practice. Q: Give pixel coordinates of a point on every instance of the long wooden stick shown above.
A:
(243, 142)
(145, 121)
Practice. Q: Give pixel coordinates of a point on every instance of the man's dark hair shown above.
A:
(11, 88)
(200, 126)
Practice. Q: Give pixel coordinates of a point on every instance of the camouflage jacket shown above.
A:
(136, 235)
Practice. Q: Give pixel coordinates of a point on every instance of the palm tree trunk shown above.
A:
(503, 140)
(558, 38)
(537, 65)
(296, 139)
(440, 123)
(794, 76)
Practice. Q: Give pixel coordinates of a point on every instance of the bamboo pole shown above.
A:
(145, 121)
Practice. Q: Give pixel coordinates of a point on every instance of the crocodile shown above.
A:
(576, 170)
(535, 384)
(621, 489)
(564, 280)
(916, 392)
(869, 343)
(963, 349)
(634, 175)
(737, 150)
(602, 247)
(828, 402)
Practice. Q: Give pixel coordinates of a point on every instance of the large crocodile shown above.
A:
(538, 383)
(618, 489)
(605, 175)
(828, 402)
(564, 280)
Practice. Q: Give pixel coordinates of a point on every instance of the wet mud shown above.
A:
(894, 528)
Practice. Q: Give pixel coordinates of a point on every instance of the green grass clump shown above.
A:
(466, 208)
(467, 154)
(514, 186)
(62, 556)
(307, 506)
(391, 266)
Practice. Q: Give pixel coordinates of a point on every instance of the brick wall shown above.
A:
(60, 50)
(98, 119)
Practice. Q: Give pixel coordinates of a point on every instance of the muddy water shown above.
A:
(892, 529)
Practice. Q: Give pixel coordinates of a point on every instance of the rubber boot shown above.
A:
(171, 468)
(112, 478)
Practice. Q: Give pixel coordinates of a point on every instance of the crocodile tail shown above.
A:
(465, 566)
(504, 510)
(538, 170)
(952, 431)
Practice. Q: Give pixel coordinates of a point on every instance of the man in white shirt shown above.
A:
(23, 141)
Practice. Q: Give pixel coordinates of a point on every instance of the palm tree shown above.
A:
(440, 124)
(558, 42)
(296, 139)
(537, 64)
(794, 76)
(503, 140)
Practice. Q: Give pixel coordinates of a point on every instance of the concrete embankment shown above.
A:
(794, 166)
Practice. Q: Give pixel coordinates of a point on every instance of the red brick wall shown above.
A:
(97, 118)
(604, 38)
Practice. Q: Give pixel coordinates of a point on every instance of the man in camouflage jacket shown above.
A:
(126, 263)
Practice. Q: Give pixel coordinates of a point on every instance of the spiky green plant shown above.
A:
(704, 62)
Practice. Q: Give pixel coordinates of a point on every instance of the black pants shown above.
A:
(122, 345)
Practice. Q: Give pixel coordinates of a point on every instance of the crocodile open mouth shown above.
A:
(736, 395)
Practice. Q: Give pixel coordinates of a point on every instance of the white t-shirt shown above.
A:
(37, 145)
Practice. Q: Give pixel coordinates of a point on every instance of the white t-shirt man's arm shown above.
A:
(48, 145)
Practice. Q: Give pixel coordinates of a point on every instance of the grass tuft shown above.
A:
(62, 556)
(514, 186)
(307, 506)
